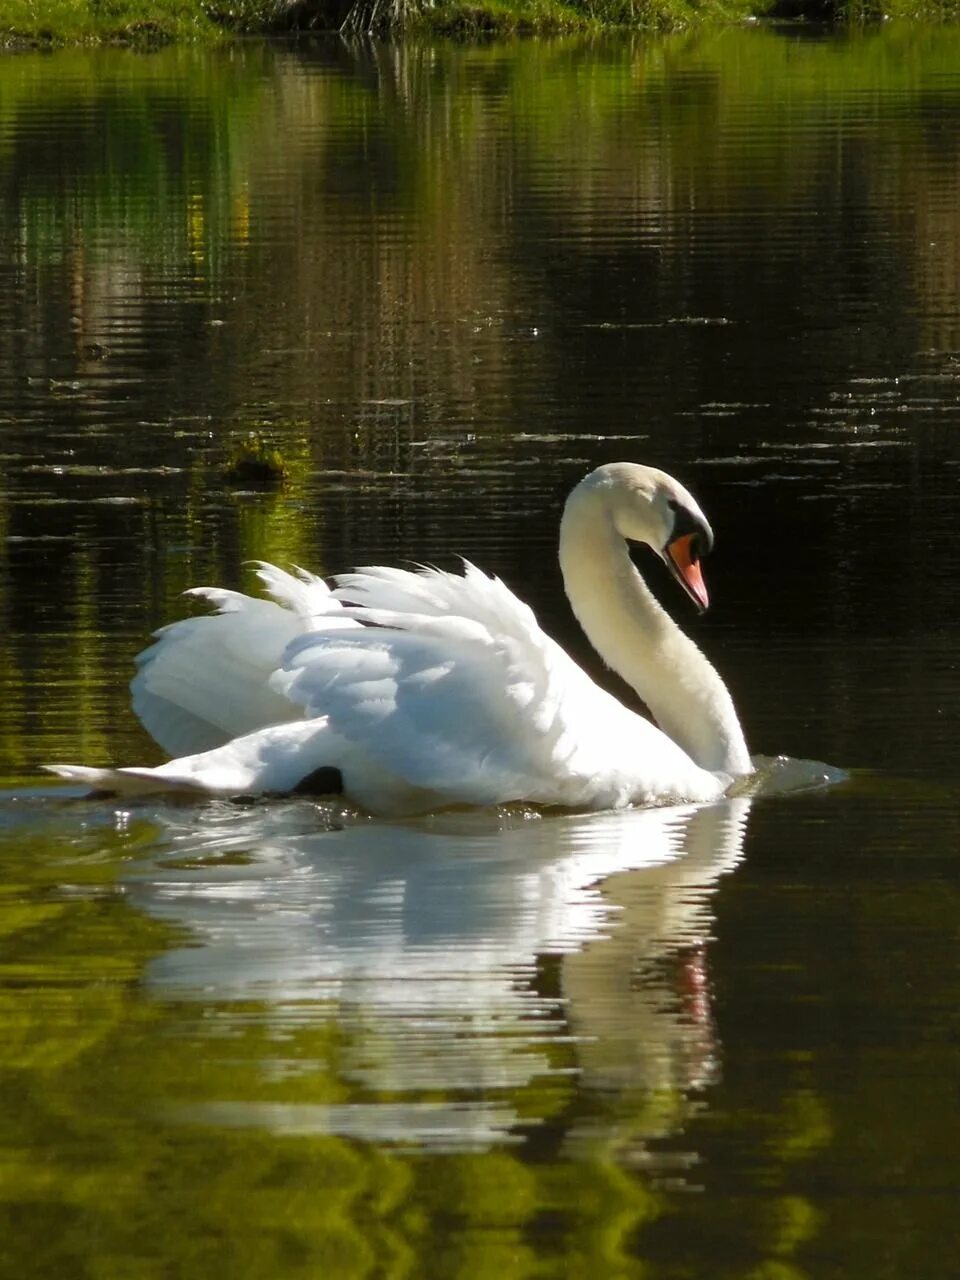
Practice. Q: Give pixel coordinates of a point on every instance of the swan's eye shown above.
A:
(690, 526)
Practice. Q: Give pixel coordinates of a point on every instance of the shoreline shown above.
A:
(147, 24)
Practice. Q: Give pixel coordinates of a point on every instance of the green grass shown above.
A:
(147, 22)
(131, 22)
(471, 18)
(153, 22)
(899, 10)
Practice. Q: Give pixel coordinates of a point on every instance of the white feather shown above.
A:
(206, 679)
(445, 693)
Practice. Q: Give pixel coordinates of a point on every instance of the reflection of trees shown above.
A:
(400, 241)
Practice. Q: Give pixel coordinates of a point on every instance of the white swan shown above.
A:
(417, 689)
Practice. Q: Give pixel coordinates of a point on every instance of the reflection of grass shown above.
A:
(129, 179)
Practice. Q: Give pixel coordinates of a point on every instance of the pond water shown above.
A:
(287, 1040)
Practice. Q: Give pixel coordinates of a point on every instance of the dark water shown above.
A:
(289, 1041)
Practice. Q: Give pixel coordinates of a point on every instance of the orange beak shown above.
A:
(680, 557)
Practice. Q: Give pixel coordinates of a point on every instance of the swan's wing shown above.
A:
(304, 594)
(434, 593)
(453, 686)
(205, 680)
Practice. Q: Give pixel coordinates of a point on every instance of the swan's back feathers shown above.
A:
(453, 685)
(414, 701)
(205, 680)
(303, 593)
(434, 592)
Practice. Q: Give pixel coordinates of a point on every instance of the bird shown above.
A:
(410, 690)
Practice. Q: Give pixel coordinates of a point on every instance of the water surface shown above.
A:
(274, 1040)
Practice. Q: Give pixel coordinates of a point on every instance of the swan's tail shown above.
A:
(295, 756)
(122, 781)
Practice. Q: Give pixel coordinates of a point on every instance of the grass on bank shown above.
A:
(102, 21)
(543, 17)
(857, 11)
(467, 18)
(153, 22)
(133, 22)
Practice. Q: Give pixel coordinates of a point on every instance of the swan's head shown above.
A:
(647, 505)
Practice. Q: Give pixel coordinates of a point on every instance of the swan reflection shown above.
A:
(427, 945)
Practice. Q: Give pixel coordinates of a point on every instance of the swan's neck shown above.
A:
(638, 639)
